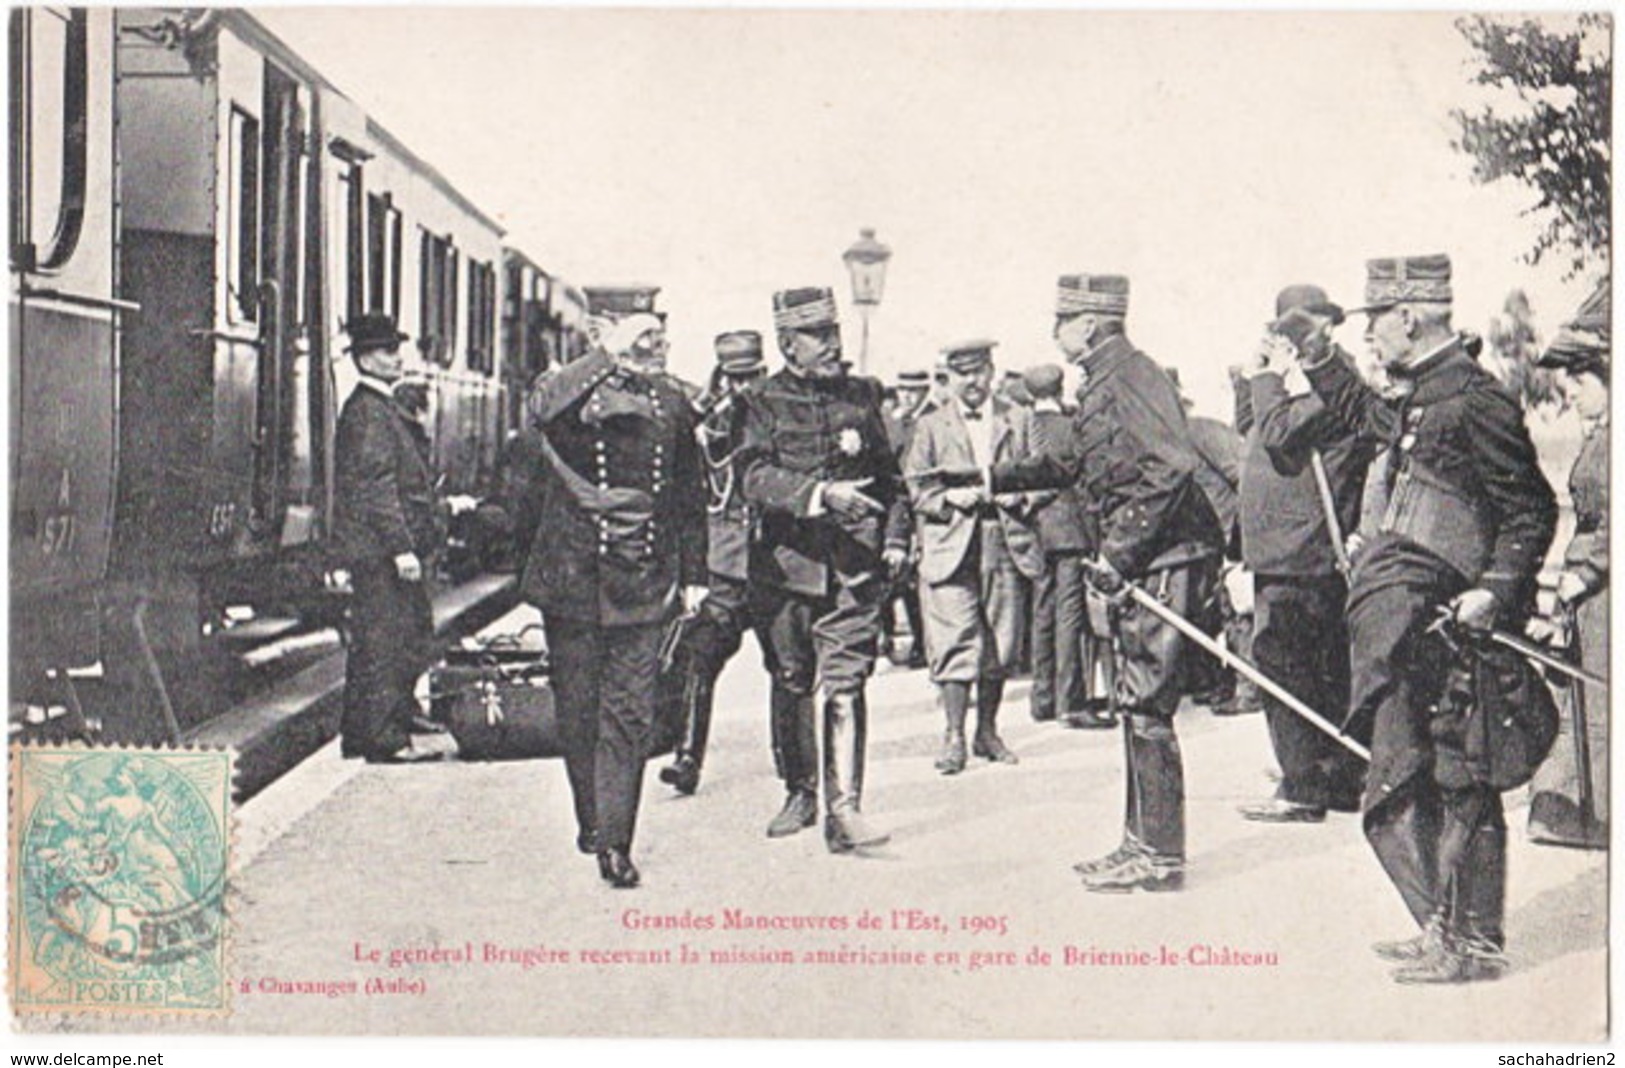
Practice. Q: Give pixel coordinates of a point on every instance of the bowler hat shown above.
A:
(1310, 298)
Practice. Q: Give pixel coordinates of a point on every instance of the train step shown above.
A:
(274, 730)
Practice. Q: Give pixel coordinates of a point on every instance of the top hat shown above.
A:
(373, 331)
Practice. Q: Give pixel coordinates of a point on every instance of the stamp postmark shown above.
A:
(119, 870)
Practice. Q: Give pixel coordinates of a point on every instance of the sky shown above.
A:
(723, 154)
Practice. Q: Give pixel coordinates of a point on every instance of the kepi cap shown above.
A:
(620, 300)
(1405, 280)
(739, 353)
(805, 308)
(1103, 294)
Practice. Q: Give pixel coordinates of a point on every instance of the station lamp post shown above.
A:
(866, 261)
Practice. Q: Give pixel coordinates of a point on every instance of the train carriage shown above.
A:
(197, 213)
(64, 335)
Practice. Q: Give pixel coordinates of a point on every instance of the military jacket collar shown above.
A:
(1108, 354)
(1446, 373)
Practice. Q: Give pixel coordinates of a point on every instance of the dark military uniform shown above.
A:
(1063, 645)
(821, 575)
(900, 535)
(1134, 459)
(621, 528)
(384, 507)
(716, 633)
(1467, 507)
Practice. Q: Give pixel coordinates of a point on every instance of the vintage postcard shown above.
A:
(910, 524)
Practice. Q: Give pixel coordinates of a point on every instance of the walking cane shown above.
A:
(1577, 724)
(1328, 504)
(1247, 668)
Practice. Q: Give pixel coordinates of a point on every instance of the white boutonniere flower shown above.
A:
(850, 442)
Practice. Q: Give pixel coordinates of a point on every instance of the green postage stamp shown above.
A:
(119, 865)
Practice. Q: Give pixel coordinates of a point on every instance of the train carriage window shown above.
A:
(437, 296)
(481, 317)
(383, 255)
(243, 217)
(49, 96)
(354, 243)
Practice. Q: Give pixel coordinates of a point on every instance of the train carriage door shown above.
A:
(282, 461)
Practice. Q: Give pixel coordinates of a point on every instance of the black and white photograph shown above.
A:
(809, 523)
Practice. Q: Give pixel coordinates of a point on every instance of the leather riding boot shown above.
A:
(699, 690)
(988, 744)
(845, 727)
(955, 707)
(1158, 774)
(1404, 834)
(1476, 872)
(795, 739)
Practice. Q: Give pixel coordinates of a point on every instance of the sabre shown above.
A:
(1328, 504)
(1537, 654)
(1247, 668)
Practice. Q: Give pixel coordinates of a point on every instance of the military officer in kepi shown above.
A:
(619, 551)
(816, 464)
(715, 635)
(1468, 520)
(974, 549)
(386, 530)
(1133, 456)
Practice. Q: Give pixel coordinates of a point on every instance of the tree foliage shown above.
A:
(1516, 347)
(1550, 131)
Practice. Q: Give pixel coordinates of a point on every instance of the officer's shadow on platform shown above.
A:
(1564, 920)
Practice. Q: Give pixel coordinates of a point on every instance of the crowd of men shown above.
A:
(1344, 542)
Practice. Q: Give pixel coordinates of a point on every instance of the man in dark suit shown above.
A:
(1468, 519)
(619, 549)
(1292, 546)
(715, 635)
(1063, 644)
(817, 465)
(386, 528)
(974, 549)
(1134, 458)
(902, 546)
